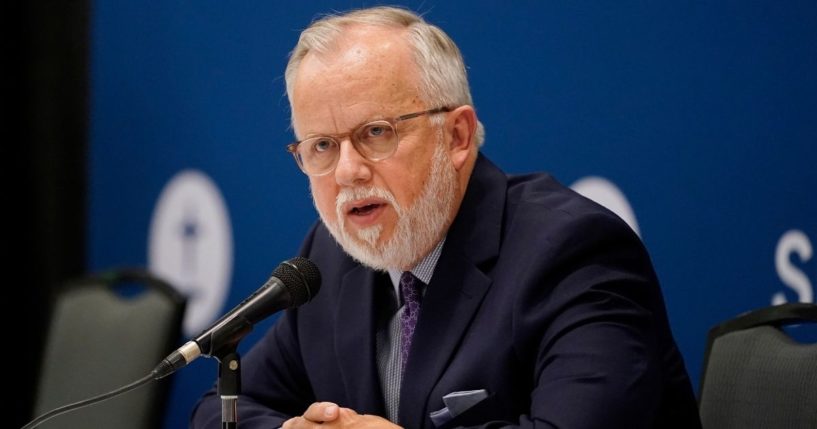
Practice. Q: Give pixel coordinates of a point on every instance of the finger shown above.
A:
(321, 412)
(347, 412)
(295, 423)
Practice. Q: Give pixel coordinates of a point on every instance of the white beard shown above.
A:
(418, 228)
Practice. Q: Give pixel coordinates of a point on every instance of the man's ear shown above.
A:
(461, 125)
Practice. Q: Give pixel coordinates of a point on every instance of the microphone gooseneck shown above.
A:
(293, 283)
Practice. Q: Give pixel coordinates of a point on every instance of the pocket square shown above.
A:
(456, 403)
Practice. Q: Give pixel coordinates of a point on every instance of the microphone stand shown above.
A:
(229, 369)
(229, 385)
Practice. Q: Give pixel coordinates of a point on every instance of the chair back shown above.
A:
(107, 331)
(755, 375)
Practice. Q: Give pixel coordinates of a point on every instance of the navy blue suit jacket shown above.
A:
(541, 297)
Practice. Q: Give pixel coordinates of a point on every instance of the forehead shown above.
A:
(369, 72)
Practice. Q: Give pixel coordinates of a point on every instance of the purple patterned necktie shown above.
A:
(411, 288)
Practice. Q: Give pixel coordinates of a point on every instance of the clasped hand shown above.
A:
(327, 414)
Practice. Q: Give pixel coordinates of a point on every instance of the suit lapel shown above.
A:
(456, 289)
(355, 341)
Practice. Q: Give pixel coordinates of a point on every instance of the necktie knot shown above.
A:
(411, 289)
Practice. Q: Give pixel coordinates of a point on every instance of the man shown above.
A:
(535, 307)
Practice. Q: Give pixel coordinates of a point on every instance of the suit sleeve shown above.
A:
(598, 355)
(590, 321)
(274, 384)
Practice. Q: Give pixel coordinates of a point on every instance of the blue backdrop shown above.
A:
(704, 116)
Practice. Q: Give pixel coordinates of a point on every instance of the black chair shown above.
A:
(755, 375)
(107, 331)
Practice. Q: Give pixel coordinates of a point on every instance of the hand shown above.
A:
(327, 414)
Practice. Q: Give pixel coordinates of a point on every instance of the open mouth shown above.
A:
(364, 210)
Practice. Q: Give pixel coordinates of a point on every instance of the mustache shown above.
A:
(352, 194)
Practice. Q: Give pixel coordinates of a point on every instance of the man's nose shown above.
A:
(352, 168)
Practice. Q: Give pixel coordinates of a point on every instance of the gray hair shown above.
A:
(444, 81)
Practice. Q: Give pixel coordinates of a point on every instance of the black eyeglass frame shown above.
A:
(293, 147)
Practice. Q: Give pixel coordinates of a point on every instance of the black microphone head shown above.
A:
(301, 277)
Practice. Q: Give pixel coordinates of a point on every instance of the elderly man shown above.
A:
(453, 294)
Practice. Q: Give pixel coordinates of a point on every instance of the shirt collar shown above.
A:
(423, 270)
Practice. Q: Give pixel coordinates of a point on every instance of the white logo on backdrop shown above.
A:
(793, 242)
(607, 194)
(191, 245)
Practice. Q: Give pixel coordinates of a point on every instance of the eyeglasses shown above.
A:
(375, 141)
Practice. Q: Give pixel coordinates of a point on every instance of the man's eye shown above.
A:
(323, 145)
(377, 131)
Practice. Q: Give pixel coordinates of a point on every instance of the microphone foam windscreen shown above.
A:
(301, 278)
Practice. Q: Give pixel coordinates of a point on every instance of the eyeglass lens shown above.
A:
(374, 141)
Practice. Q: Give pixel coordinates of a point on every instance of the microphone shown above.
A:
(294, 282)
